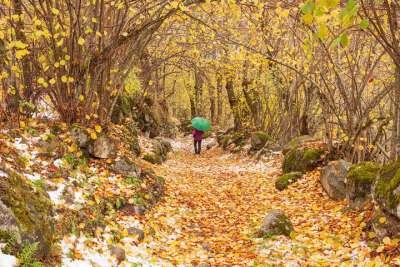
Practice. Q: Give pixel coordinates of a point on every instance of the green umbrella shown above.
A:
(201, 124)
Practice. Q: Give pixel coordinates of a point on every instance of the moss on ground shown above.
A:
(302, 160)
(152, 158)
(259, 139)
(285, 180)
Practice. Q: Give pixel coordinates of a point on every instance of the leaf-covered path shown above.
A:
(215, 203)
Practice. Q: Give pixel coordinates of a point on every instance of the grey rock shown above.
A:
(390, 227)
(126, 167)
(103, 148)
(258, 140)
(118, 253)
(80, 136)
(138, 232)
(276, 223)
(212, 144)
(333, 179)
(140, 209)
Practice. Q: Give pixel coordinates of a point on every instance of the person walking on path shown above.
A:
(197, 137)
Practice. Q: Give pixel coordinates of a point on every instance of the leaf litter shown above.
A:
(215, 203)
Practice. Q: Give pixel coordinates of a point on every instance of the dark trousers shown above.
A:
(197, 147)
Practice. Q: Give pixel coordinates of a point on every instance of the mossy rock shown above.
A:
(359, 181)
(297, 141)
(276, 223)
(387, 188)
(133, 140)
(152, 158)
(32, 210)
(259, 139)
(385, 225)
(283, 182)
(302, 160)
(225, 141)
(238, 138)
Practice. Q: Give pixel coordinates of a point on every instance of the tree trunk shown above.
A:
(198, 89)
(26, 62)
(395, 142)
(219, 99)
(211, 92)
(233, 104)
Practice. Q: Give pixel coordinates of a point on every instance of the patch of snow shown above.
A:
(33, 177)
(20, 146)
(55, 196)
(8, 260)
(58, 163)
(3, 174)
(78, 197)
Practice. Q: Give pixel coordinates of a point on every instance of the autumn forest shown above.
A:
(294, 105)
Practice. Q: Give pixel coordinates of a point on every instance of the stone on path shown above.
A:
(276, 223)
(333, 179)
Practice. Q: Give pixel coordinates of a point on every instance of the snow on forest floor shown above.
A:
(213, 206)
(77, 249)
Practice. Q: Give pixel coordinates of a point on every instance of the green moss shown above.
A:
(31, 207)
(363, 173)
(285, 180)
(152, 158)
(302, 160)
(282, 226)
(238, 138)
(259, 139)
(312, 154)
(388, 180)
(225, 141)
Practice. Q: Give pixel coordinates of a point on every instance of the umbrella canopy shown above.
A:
(201, 124)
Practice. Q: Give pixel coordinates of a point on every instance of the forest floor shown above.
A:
(215, 203)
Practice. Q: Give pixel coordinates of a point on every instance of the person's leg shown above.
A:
(199, 148)
(195, 146)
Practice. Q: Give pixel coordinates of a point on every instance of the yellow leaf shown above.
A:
(293, 235)
(21, 53)
(55, 11)
(93, 135)
(308, 19)
(81, 98)
(64, 79)
(81, 41)
(371, 234)
(387, 240)
(382, 220)
(98, 128)
(52, 81)
(40, 80)
(72, 148)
